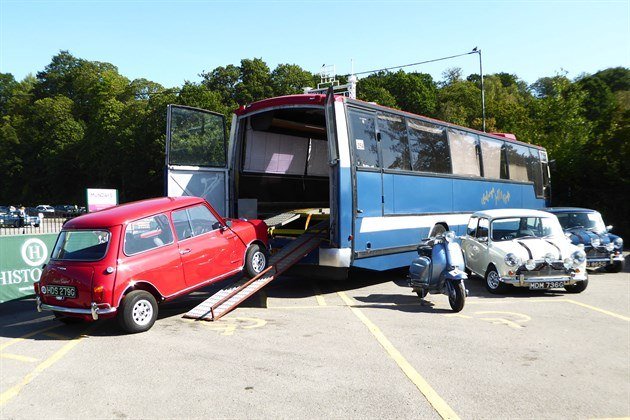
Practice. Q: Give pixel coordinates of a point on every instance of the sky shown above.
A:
(171, 42)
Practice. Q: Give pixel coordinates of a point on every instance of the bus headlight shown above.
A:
(578, 257)
(511, 260)
(530, 265)
(596, 242)
(610, 246)
(618, 243)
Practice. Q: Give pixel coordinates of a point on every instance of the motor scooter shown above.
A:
(439, 269)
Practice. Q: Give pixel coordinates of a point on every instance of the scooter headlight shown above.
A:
(578, 257)
(596, 242)
(568, 263)
(618, 243)
(530, 265)
(512, 260)
(610, 246)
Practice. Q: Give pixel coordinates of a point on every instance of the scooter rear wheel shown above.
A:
(457, 297)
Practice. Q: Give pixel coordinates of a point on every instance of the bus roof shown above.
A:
(320, 100)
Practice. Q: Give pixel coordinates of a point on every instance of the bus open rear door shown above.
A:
(196, 155)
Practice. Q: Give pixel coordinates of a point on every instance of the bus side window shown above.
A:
(493, 157)
(536, 171)
(518, 157)
(394, 142)
(429, 147)
(363, 139)
(464, 153)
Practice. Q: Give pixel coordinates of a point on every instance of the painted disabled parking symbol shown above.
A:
(34, 252)
(513, 320)
(228, 326)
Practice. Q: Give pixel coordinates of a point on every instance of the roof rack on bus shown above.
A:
(328, 79)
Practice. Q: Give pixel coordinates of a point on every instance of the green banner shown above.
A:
(21, 260)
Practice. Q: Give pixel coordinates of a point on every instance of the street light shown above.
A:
(483, 95)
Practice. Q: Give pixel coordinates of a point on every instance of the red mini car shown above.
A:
(124, 260)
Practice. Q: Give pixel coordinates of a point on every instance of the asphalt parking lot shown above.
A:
(314, 348)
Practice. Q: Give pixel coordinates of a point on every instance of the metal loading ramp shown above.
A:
(233, 295)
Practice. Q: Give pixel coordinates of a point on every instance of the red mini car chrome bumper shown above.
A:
(95, 309)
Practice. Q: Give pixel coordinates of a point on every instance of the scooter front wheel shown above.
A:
(457, 296)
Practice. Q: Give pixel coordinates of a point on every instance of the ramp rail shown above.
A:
(228, 298)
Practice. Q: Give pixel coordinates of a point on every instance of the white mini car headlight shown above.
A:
(578, 257)
(596, 242)
(511, 260)
(530, 264)
(568, 263)
(618, 243)
(610, 246)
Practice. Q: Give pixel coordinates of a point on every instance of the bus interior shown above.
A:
(281, 168)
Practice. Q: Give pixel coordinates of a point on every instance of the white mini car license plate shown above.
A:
(546, 285)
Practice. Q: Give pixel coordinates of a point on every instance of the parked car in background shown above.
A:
(522, 248)
(123, 260)
(45, 209)
(66, 210)
(12, 219)
(586, 227)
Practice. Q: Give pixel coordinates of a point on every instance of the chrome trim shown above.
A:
(94, 310)
(608, 260)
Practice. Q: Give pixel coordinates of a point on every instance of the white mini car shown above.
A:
(523, 248)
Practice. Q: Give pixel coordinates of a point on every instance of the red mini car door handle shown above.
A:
(185, 251)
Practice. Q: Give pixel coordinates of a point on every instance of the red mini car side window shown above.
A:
(194, 221)
(148, 233)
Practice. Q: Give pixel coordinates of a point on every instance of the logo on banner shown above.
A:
(34, 252)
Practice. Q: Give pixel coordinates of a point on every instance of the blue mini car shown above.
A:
(586, 227)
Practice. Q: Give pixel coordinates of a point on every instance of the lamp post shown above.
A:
(483, 94)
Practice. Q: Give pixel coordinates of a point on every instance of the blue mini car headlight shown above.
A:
(618, 243)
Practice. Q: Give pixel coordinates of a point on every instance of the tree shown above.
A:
(255, 82)
(288, 79)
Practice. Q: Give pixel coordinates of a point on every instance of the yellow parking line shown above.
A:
(318, 296)
(25, 336)
(18, 357)
(10, 393)
(594, 308)
(442, 408)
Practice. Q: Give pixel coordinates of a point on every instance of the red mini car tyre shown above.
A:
(138, 311)
(255, 260)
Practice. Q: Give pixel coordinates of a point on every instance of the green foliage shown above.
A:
(412, 92)
(80, 123)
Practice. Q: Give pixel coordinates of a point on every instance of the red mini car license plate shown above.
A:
(546, 285)
(63, 291)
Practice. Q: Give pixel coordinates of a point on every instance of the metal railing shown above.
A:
(34, 224)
